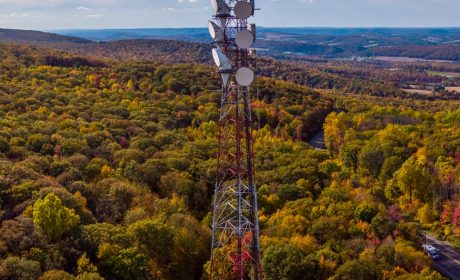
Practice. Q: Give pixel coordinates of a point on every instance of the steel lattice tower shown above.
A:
(235, 238)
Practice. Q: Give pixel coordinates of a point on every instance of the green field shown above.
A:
(419, 91)
(444, 74)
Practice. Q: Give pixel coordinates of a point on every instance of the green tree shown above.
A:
(174, 85)
(191, 247)
(415, 179)
(370, 160)
(365, 212)
(286, 262)
(71, 146)
(52, 217)
(357, 270)
(56, 275)
(121, 264)
(389, 167)
(37, 141)
(155, 237)
(349, 155)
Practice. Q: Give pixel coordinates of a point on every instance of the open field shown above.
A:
(444, 74)
(407, 59)
(456, 89)
(419, 91)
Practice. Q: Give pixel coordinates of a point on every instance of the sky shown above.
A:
(83, 14)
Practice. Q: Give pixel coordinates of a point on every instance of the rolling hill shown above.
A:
(171, 51)
(159, 50)
(30, 36)
(424, 43)
(167, 51)
(124, 155)
(329, 43)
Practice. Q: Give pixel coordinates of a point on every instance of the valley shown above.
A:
(120, 138)
(414, 43)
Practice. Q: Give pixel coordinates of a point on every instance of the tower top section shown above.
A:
(233, 37)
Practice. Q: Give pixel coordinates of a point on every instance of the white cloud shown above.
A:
(94, 16)
(49, 14)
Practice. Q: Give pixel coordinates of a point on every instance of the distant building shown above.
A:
(439, 88)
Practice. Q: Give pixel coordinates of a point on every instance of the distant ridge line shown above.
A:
(33, 36)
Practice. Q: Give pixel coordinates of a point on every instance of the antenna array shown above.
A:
(235, 238)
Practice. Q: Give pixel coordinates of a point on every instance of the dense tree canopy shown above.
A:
(107, 172)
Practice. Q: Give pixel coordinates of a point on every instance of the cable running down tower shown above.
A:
(235, 236)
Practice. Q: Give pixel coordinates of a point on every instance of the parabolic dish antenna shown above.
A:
(216, 32)
(221, 60)
(243, 10)
(244, 76)
(244, 39)
(220, 7)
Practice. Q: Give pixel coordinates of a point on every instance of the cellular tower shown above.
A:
(235, 236)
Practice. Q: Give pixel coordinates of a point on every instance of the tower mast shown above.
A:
(235, 236)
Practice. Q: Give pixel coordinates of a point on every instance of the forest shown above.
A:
(107, 170)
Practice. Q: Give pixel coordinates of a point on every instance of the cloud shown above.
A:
(60, 4)
(94, 16)
(49, 14)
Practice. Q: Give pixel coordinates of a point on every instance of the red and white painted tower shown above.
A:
(235, 239)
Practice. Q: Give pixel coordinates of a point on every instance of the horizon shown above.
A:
(274, 27)
(137, 14)
(260, 27)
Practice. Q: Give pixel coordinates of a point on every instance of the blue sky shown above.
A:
(65, 14)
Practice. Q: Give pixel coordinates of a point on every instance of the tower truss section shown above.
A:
(235, 236)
